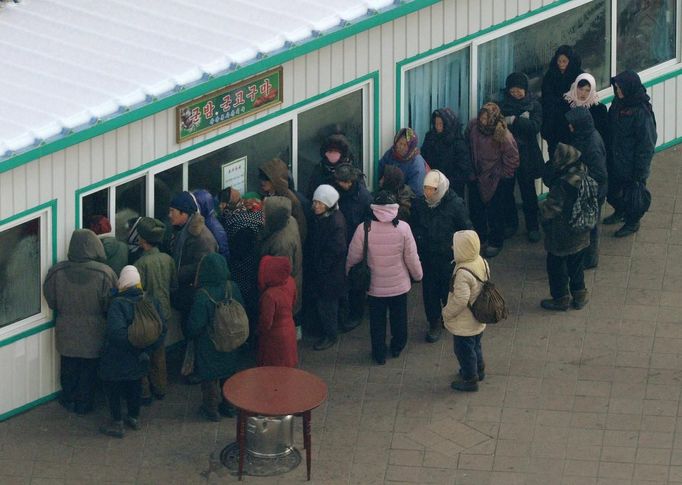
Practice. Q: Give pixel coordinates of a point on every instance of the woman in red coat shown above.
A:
(276, 331)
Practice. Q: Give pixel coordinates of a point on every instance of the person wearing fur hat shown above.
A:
(405, 155)
(464, 287)
(565, 247)
(115, 250)
(437, 215)
(274, 180)
(334, 151)
(393, 181)
(523, 116)
(495, 157)
(326, 252)
(159, 278)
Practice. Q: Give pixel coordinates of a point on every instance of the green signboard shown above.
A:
(229, 104)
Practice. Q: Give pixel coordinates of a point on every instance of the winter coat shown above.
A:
(278, 173)
(323, 172)
(354, 205)
(78, 290)
(327, 248)
(554, 106)
(525, 128)
(433, 227)
(447, 151)
(198, 242)
(158, 277)
(121, 361)
(492, 159)
(116, 253)
(207, 209)
(276, 328)
(213, 277)
(391, 253)
(600, 116)
(563, 179)
(280, 237)
(589, 143)
(414, 170)
(464, 287)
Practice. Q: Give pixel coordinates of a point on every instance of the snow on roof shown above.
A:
(68, 64)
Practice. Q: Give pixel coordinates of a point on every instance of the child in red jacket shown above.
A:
(276, 330)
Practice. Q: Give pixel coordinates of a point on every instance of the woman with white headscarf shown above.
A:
(583, 94)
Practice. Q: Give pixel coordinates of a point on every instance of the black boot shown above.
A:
(614, 218)
(435, 331)
(556, 304)
(580, 299)
(459, 384)
(114, 429)
(627, 229)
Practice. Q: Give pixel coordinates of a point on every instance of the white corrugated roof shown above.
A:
(67, 64)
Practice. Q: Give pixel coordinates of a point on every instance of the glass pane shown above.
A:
(646, 33)
(95, 204)
(529, 50)
(342, 115)
(130, 204)
(206, 172)
(166, 185)
(441, 83)
(20, 272)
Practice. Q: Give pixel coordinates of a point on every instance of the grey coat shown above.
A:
(79, 291)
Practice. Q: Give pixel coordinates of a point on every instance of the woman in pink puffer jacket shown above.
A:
(393, 260)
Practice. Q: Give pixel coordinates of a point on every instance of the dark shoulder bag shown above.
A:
(360, 275)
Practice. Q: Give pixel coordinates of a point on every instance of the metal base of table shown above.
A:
(256, 466)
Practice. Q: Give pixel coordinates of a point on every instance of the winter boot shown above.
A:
(435, 330)
(556, 304)
(580, 299)
(459, 384)
(627, 229)
(114, 429)
(614, 218)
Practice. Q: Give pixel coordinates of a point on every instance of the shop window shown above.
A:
(341, 115)
(166, 185)
(443, 82)
(95, 204)
(529, 50)
(20, 272)
(646, 33)
(207, 172)
(130, 204)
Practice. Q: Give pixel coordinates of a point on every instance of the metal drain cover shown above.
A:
(257, 466)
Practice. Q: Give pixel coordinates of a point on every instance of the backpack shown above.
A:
(146, 327)
(489, 306)
(585, 210)
(360, 276)
(230, 327)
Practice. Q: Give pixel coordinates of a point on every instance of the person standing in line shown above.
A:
(274, 180)
(495, 158)
(437, 215)
(116, 251)
(583, 94)
(393, 181)
(207, 210)
(393, 261)
(405, 155)
(335, 151)
(78, 290)
(633, 140)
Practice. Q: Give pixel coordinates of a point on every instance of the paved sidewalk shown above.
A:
(582, 397)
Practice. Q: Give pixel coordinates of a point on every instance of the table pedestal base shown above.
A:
(259, 467)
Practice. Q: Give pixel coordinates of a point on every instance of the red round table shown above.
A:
(274, 391)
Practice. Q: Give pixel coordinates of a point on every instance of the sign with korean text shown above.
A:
(234, 174)
(229, 104)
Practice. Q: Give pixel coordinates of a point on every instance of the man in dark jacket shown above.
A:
(334, 151)
(437, 215)
(523, 115)
(633, 139)
(588, 141)
(79, 292)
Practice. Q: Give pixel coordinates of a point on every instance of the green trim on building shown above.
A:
(249, 70)
(669, 144)
(31, 331)
(28, 406)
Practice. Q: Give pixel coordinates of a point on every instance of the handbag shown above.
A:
(360, 275)
(636, 199)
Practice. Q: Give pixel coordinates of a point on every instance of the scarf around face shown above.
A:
(495, 125)
(412, 144)
(571, 96)
(634, 92)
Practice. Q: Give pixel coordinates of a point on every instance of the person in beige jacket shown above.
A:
(457, 316)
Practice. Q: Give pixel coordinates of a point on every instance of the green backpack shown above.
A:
(146, 327)
(230, 327)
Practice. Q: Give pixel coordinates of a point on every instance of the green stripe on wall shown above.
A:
(28, 406)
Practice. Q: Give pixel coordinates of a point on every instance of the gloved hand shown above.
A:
(509, 120)
(525, 114)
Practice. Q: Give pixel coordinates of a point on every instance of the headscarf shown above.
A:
(412, 144)
(571, 96)
(128, 278)
(563, 80)
(634, 92)
(436, 179)
(495, 125)
(451, 125)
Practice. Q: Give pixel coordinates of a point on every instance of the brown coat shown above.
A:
(278, 173)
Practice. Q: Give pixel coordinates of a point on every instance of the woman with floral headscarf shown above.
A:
(405, 155)
(495, 157)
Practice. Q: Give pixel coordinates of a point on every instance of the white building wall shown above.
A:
(29, 366)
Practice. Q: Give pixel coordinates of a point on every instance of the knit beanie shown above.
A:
(151, 230)
(184, 202)
(346, 172)
(517, 80)
(327, 195)
(129, 277)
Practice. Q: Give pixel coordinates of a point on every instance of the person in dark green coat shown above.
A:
(211, 366)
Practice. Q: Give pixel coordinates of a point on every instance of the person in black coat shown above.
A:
(589, 142)
(444, 149)
(523, 115)
(583, 94)
(564, 67)
(334, 151)
(327, 250)
(633, 139)
(437, 215)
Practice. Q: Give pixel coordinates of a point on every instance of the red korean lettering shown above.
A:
(253, 93)
(209, 108)
(227, 103)
(239, 98)
(266, 88)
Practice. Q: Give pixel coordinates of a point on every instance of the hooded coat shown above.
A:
(116, 253)
(213, 277)
(589, 143)
(281, 238)
(78, 290)
(464, 287)
(327, 248)
(354, 204)
(633, 130)
(207, 210)
(278, 173)
(323, 172)
(276, 330)
(554, 85)
(447, 151)
(391, 253)
(563, 175)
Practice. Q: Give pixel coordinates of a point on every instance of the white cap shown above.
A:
(327, 195)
